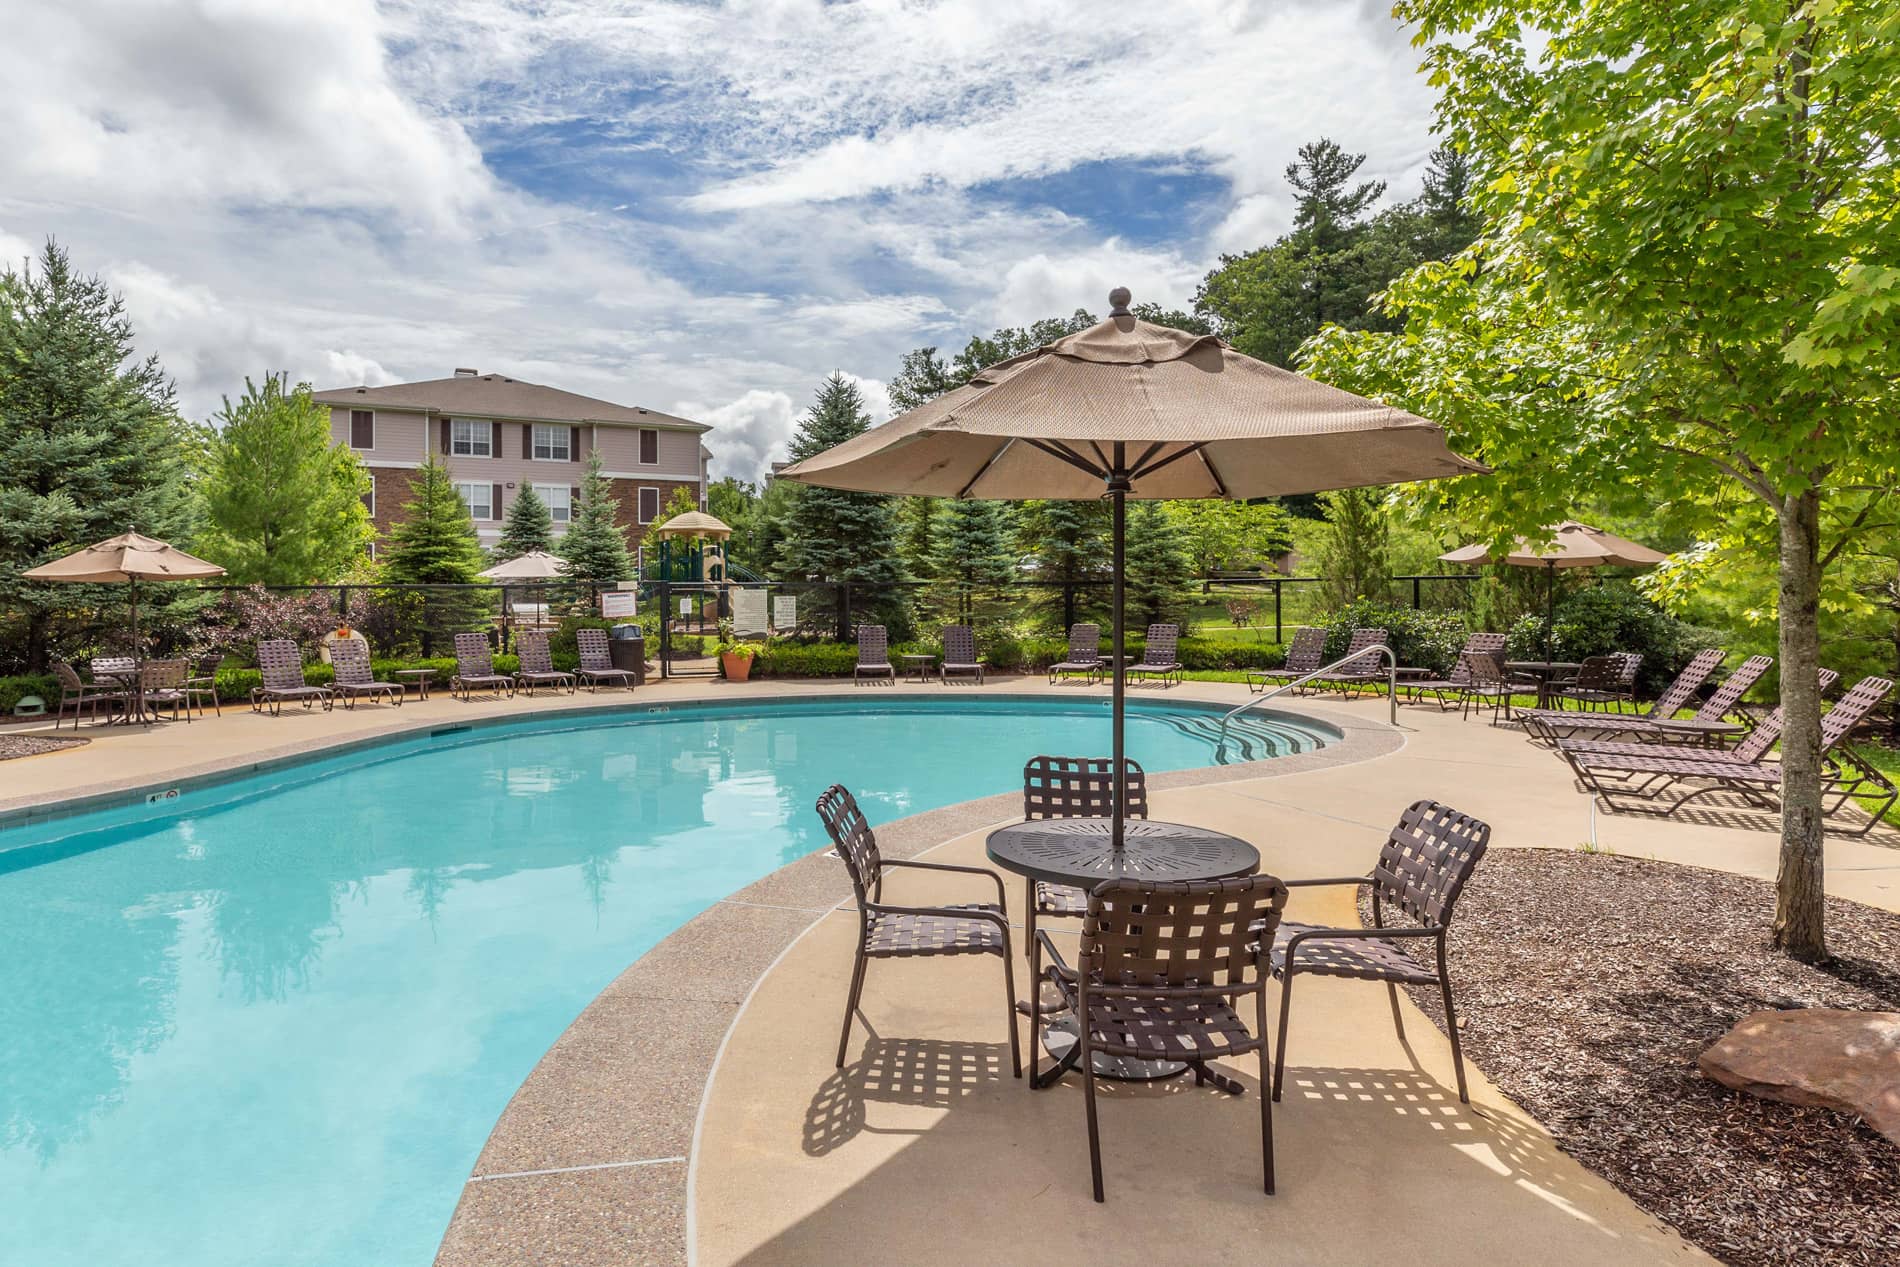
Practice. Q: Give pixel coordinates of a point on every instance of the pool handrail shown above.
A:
(1391, 685)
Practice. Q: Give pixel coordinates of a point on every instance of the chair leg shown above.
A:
(1451, 1027)
(1088, 1096)
(1279, 1058)
(1398, 1017)
(1266, 1108)
(851, 1006)
(1009, 1009)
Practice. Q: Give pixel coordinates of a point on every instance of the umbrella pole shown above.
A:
(1550, 606)
(1118, 502)
(138, 656)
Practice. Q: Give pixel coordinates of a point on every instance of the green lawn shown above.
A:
(1887, 761)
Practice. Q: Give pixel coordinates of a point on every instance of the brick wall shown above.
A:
(627, 495)
(393, 492)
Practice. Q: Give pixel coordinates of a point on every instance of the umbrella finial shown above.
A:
(1118, 300)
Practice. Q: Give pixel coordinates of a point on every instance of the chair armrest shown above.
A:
(1307, 884)
(1056, 961)
(946, 866)
(884, 908)
(1354, 934)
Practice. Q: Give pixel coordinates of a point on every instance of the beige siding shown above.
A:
(399, 436)
(620, 454)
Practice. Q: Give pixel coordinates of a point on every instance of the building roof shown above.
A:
(498, 396)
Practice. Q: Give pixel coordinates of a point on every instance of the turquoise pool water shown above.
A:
(273, 1021)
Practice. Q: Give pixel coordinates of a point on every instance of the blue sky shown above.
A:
(700, 207)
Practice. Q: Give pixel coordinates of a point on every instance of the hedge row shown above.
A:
(837, 659)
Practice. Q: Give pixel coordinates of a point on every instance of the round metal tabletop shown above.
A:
(1076, 851)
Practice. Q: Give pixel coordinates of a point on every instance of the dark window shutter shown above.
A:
(494, 439)
(573, 499)
(494, 506)
(527, 439)
(445, 435)
(573, 443)
(649, 447)
(362, 429)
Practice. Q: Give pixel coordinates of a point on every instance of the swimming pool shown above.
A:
(274, 1020)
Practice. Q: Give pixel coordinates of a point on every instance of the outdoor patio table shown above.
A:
(1076, 852)
(917, 665)
(418, 677)
(1547, 672)
(127, 680)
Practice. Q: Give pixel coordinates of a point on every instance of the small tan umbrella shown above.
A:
(535, 565)
(1130, 409)
(126, 559)
(1577, 545)
(694, 523)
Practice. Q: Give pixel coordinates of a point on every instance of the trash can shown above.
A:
(627, 646)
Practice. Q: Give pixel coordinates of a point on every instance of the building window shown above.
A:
(649, 505)
(649, 447)
(362, 428)
(471, 439)
(560, 500)
(480, 498)
(553, 444)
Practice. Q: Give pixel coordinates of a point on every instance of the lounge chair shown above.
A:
(1551, 723)
(202, 685)
(1085, 654)
(959, 654)
(475, 669)
(1304, 655)
(1070, 787)
(537, 664)
(280, 664)
(1746, 771)
(1485, 679)
(351, 675)
(1160, 975)
(1421, 870)
(1160, 654)
(161, 684)
(887, 931)
(76, 694)
(874, 654)
(1362, 666)
(1752, 747)
(1453, 684)
(597, 662)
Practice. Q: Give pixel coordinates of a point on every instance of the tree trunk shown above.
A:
(1801, 885)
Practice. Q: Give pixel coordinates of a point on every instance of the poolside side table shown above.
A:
(917, 666)
(419, 678)
(1076, 852)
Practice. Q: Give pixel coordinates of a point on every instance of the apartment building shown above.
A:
(498, 435)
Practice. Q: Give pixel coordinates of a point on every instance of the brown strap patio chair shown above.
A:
(1161, 974)
(475, 669)
(1085, 654)
(890, 931)
(1550, 724)
(1305, 654)
(1454, 683)
(1160, 655)
(1485, 679)
(537, 663)
(280, 665)
(202, 685)
(351, 675)
(1362, 666)
(76, 695)
(597, 662)
(874, 654)
(1421, 870)
(1596, 685)
(1756, 745)
(959, 654)
(162, 684)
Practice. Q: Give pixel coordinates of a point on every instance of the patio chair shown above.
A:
(888, 931)
(1594, 686)
(1421, 870)
(1454, 683)
(959, 654)
(1161, 974)
(475, 669)
(202, 685)
(280, 664)
(874, 654)
(1548, 723)
(1160, 655)
(352, 676)
(1085, 654)
(120, 668)
(1553, 725)
(1485, 679)
(597, 662)
(162, 683)
(1070, 787)
(1745, 771)
(1305, 654)
(537, 664)
(1362, 667)
(76, 694)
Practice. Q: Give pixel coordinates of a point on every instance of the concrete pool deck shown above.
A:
(692, 1111)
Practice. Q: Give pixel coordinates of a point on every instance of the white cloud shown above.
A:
(749, 433)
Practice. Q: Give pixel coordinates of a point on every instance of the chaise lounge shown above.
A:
(280, 664)
(475, 669)
(352, 676)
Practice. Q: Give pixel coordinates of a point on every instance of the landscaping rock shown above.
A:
(1822, 1057)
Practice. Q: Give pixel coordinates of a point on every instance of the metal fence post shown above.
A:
(844, 611)
(666, 629)
(1278, 636)
(1416, 605)
(1068, 604)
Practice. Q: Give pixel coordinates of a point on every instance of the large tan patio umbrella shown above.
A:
(1130, 409)
(126, 559)
(1576, 545)
(535, 565)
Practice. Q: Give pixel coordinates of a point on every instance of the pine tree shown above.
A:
(1067, 541)
(594, 546)
(971, 545)
(527, 528)
(435, 544)
(1352, 551)
(829, 534)
(90, 446)
(1154, 566)
(283, 504)
(916, 519)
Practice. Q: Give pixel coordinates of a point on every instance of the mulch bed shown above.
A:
(32, 745)
(1588, 984)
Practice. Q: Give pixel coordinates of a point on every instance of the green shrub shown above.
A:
(1006, 654)
(1600, 619)
(1426, 640)
(13, 689)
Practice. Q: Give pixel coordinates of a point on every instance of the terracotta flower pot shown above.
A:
(736, 665)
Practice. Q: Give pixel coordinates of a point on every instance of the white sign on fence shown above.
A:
(748, 613)
(785, 612)
(617, 603)
(686, 607)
